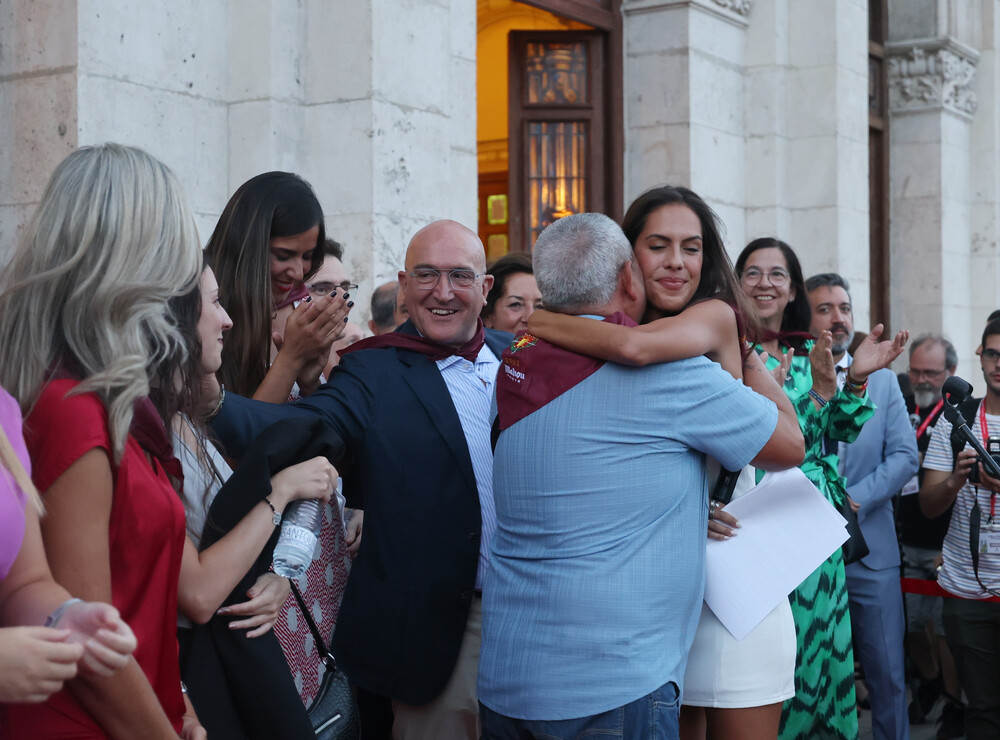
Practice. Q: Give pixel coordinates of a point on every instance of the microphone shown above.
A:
(955, 390)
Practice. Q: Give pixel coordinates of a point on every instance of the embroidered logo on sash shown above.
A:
(523, 342)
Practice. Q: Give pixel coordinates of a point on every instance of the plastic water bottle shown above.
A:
(297, 542)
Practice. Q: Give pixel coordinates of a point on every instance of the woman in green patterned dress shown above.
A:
(824, 704)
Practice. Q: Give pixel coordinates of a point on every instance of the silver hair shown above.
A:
(950, 355)
(577, 261)
(112, 240)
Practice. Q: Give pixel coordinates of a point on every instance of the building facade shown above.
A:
(865, 134)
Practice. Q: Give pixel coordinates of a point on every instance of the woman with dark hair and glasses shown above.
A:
(771, 277)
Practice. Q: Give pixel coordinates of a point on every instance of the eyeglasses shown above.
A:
(776, 277)
(991, 355)
(325, 288)
(928, 374)
(427, 277)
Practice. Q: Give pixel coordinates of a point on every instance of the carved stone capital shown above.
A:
(740, 7)
(931, 75)
(736, 12)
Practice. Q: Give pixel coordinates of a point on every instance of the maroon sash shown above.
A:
(534, 372)
(416, 343)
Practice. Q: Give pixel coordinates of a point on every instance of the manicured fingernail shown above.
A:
(334, 293)
(308, 298)
(345, 319)
(350, 304)
(346, 295)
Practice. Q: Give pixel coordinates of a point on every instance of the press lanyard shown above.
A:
(930, 417)
(985, 431)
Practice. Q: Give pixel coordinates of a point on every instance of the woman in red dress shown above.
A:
(84, 328)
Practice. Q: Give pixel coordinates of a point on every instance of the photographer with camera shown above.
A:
(972, 618)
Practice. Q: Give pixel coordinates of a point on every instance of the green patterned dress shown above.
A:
(824, 705)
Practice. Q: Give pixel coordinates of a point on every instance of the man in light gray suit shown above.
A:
(876, 465)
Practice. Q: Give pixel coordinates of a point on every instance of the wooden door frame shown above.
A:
(605, 16)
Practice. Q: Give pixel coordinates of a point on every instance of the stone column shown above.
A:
(985, 174)
(684, 112)
(807, 137)
(37, 105)
(391, 120)
(931, 107)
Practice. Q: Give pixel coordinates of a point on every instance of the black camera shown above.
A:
(992, 447)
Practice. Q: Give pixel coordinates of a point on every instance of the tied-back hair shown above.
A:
(718, 278)
(86, 291)
(516, 263)
(10, 460)
(268, 206)
(797, 316)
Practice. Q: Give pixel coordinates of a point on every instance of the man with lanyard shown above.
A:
(598, 562)
(876, 466)
(972, 617)
(933, 360)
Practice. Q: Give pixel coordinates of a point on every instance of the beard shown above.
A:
(840, 347)
(924, 395)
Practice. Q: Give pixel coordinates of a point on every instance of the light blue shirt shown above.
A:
(472, 389)
(597, 572)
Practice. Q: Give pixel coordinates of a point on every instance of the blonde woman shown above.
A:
(36, 660)
(84, 330)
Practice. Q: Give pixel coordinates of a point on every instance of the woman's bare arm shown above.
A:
(75, 532)
(705, 328)
(208, 577)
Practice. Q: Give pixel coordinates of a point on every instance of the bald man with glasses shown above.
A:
(414, 409)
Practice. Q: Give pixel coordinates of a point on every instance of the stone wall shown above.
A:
(372, 102)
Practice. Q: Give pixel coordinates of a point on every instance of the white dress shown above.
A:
(755, 671)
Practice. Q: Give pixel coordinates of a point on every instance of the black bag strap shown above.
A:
(324, 653)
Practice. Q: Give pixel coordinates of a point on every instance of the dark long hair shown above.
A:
(797, 315)
(271, 205)
(516, 263)
(186, 395)
(718, 280)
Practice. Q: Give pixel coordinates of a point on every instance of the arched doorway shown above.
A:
(549, 115)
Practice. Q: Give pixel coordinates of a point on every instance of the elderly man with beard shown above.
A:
(876, 465)
(932, 361)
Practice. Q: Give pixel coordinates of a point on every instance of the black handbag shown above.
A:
(855, 548)
(333, 713)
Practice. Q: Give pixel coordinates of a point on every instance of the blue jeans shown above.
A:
(651, 717)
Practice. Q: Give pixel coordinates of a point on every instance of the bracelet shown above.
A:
(275, 516)
(817, 397)
(53, 619)
(218, 406)
(853, 386)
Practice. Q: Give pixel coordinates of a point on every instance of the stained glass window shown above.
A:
(556, 172)
(556, 74)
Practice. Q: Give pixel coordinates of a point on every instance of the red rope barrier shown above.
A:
(931, 588)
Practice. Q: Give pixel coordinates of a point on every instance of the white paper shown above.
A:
(788, 529)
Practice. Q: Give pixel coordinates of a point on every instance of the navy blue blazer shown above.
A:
(877, 465)
(407, 465)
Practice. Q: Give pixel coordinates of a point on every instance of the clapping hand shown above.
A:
(872, 355)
